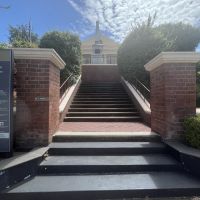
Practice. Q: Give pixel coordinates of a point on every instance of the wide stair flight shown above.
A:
(102, 102)
(106, 169)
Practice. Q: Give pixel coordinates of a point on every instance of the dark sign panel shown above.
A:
(6, 109)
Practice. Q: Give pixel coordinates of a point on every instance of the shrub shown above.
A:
(192, 131)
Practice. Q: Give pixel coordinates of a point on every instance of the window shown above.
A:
(97, 51)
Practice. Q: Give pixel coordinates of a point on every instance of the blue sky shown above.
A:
(45, 15)
(116, 17)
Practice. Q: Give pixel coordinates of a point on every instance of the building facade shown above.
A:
(99, 49)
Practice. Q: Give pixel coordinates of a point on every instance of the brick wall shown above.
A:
(37, 111)
(100, 73)
(173, 97)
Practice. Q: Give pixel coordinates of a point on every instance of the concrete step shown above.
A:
(102, 110)
(107, 164)
(101, 96)
(102, 93)
(98, 114)
(101, 87)
(101, 84)
(103, 105)
(101, 99)
(106, 136)
(151, 184)
(105, 148)
(101, 102)
(103, 90)
(103, 119)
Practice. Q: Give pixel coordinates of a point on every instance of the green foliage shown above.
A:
(185, 37)
(3, 46)
(141, 45)
(68, 46)
(192, 131)
(146, 41)
(19, 37)
(23, 44)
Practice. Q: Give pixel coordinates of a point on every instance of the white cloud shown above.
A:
(118, 16)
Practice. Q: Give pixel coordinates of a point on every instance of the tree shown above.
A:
(146, 41)
(140, 46)
(3, 45)
(22, 36)
(68, 46)
(185, 37)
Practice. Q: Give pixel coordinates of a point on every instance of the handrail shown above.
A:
(65, 85)
(141, 89)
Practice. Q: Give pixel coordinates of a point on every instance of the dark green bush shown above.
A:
(146, 41)
(68, 46)
(138, 48)
(192, 131)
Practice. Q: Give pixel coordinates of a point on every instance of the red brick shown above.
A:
(36, 121)
(173, 97)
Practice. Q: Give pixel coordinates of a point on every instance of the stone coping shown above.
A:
(145, 105)
(172, 57)
(22, 157)
(39, 54)
(182, 148)
(64, 101)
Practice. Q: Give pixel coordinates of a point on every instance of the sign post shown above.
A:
(6, 103)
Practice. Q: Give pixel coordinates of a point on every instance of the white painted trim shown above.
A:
(172, 57)
(40, 54)
(67, 97)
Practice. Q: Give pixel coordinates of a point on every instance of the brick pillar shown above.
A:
(38, 95)
(173, 91)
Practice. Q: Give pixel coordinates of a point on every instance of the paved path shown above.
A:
(104, 127)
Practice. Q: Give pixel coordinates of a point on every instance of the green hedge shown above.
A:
(192, 131)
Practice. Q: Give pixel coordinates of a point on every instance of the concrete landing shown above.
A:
(103, 127)
(105, 136)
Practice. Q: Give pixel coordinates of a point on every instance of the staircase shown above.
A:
(102, 102)
(106, 169)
